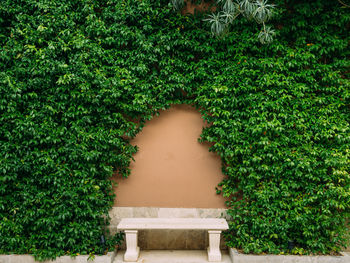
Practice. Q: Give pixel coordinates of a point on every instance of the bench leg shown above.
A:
(214, 253)
(132, 250)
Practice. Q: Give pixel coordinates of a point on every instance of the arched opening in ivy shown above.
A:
(171, 168)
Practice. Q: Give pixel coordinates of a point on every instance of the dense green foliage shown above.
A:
(78, 79)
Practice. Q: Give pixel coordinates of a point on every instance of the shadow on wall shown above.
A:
(171, 168)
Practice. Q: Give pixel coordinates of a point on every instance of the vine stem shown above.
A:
(342, 3)
(264, 27)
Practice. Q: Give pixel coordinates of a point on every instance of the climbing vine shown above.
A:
(79, 79)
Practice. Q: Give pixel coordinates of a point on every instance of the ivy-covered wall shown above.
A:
(78, 80)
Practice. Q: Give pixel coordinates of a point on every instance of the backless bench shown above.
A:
(132, 225)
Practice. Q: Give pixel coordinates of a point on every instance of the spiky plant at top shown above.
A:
(228, 10)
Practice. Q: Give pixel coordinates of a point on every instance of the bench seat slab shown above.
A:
(173, 223)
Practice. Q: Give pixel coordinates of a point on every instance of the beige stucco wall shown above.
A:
(171, 168)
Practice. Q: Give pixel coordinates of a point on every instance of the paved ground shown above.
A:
(173, 256)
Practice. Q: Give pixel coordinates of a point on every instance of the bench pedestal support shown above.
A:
(132, 250)
(214, 253)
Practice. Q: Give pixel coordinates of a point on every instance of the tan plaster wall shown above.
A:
(171, 168)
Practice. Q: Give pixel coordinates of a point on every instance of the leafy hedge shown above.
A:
(80, 78)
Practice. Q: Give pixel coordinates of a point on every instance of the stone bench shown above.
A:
(132, 225)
